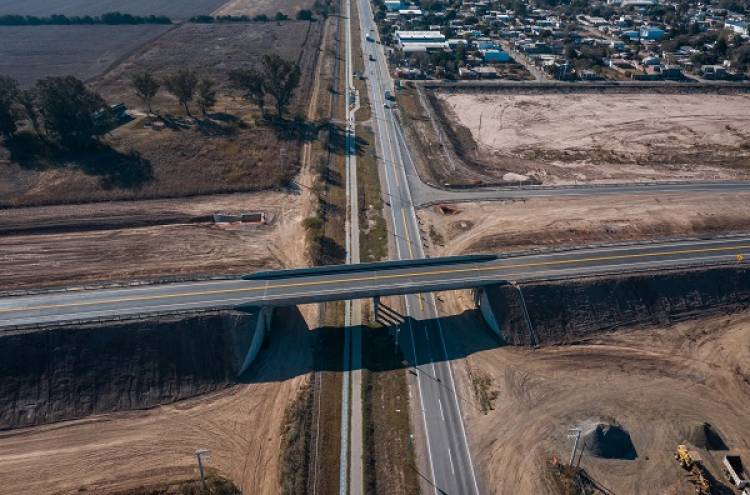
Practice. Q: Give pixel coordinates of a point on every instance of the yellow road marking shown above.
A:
(384, 277)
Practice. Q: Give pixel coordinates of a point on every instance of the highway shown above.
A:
(51, 307)
(443, 451)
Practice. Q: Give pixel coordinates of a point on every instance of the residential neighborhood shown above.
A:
(614, 40)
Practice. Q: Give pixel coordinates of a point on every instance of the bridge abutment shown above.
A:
(262, 325)
(486, 308)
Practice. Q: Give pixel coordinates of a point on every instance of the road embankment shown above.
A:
(75, 371)
(572, 311)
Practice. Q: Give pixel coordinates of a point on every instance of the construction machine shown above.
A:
(691, 462)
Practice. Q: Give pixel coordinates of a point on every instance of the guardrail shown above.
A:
(362, 267)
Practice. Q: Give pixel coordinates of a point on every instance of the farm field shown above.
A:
(559, 137)
(28, 53)
(176, 10)
(230, 152)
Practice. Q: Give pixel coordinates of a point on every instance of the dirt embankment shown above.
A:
(677, 361)
(543, 223)
(572, 311)
(60, 374)
(119, 451)
(108, 243)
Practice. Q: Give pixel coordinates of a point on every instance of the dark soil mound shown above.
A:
(704, 436)
(608, 441)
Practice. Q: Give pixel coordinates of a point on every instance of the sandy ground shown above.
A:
(563, 138)
(539, 223)
(656, 383)
(268, 7)
(147, 253)
(239, 425)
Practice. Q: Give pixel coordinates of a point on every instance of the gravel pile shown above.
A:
(608, 441)
(704, 436)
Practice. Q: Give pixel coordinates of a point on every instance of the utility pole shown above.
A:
(200, 454)
(574, 433)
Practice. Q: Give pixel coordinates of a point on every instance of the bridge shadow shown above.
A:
(292, 348)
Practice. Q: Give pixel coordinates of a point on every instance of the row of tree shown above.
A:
(278, 78)
(59, 109)
(110, 18)
(65, 111)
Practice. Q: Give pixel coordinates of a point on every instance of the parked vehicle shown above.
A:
(735, 471)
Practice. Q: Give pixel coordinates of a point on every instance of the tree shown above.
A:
(8, 93)
(305, 15)
(280, 16)
(253, 84)
(182, 85)
(281, 79)
(206, 94)
(146, 87)
(72, 112)
(28, 101)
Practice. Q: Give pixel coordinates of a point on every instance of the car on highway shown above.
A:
(372, 58)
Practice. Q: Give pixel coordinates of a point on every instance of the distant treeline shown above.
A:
(302, 15)
(110, 18)
(208, 19)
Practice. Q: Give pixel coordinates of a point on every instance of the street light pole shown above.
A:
(199, 454)
(574, 432)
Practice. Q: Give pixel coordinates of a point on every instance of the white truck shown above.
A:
(736, 473)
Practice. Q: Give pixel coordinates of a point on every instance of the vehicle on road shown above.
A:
(388, 95)
(372, 58)
(369, 38)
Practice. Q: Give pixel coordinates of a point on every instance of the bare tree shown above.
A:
(206, 94)
(253, 84)
(281, 79)
(182, 85)
(146, 87)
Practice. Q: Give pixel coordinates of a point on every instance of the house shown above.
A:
(420, 41)
(714, 72)
(493, 55)
(394, 5)
(651, 33)
(739, 27)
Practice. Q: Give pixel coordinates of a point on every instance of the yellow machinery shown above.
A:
(691, 462)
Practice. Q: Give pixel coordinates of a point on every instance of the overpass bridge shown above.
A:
(321, 284)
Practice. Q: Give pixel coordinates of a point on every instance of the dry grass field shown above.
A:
(229, 152)
(267, 7)
(176, 10)
(28, 53)
(608, 136)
